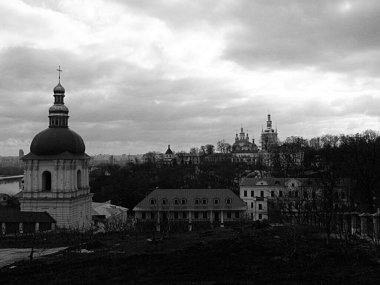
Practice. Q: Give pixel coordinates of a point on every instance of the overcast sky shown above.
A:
(142, 74)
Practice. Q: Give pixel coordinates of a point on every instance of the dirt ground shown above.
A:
(278, 255)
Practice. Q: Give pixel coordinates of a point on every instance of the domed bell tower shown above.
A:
(56, 174)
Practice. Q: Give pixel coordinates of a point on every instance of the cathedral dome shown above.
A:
(59, 89)
(53, 141)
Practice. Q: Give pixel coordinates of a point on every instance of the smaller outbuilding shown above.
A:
(14, 222)
(107, 213)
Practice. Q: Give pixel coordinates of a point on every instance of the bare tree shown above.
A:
(362, 153)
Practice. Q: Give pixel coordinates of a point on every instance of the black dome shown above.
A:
(59, 89)
(54, 141)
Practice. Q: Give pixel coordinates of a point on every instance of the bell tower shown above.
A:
(56, 173)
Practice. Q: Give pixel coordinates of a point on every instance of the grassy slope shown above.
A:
(259, 257)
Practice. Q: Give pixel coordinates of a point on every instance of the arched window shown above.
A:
(46, 181)
(79, 179)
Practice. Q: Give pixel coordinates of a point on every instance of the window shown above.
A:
(252, 193)
(204, 215)
(343, 195)
(245, 193)
(143, 215)
(196, 201)
(176, 215)
(229, 215)
(261, 193)
(296, 193)
(313, 194)
(280, 193)
(152, 215)
(216, 201)
(260, 206)
(196, 215)
(237, 215)
(277, 182)
(204, 201)
(272, 193)
(260, 216)
(184, 215)
(152, 202)
(176, 201)
(46, 181)
(79, 179)
(252, 205)
(165, 201)
(228, 201)
(183, 201)
(292, 184)
(305, 195)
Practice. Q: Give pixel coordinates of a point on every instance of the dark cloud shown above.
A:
(145, 78)
(296, 34)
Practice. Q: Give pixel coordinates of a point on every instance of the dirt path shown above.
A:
(11, 255)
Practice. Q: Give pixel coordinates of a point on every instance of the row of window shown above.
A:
(260, 216)
(260, 206)
(196, 215)
(58, 121)
(183, 201)
(253, 193)
(295, 194)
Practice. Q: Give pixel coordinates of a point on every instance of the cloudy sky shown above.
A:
(142, 74)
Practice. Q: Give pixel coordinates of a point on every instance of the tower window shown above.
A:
(79, 179)
(46, 181)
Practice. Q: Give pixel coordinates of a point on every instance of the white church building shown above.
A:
(56, 176)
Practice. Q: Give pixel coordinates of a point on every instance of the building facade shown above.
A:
(56, 173)
(190, 205)
(288, 195)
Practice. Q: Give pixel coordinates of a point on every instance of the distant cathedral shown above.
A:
(56, 175)
(242, 143)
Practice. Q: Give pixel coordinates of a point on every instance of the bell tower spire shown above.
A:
(58, 113)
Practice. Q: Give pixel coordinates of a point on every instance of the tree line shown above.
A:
(330, 158)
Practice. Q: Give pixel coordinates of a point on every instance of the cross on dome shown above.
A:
(59, 73)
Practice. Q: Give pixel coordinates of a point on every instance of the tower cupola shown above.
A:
(58, 113)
